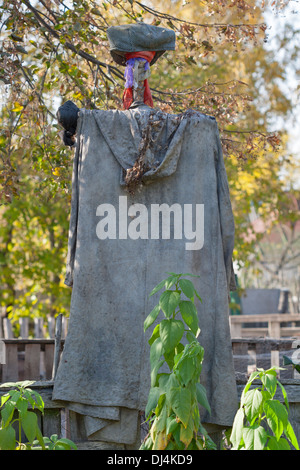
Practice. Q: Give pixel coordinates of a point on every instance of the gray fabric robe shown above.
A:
(104, 370)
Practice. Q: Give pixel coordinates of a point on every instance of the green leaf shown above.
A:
(4, 398)
(184, 370)
(189, 314)
(161, 413)
(7, 412)
(172, 424)
(38, 400)
(187, 288)
(155, 334)
(202, 397)
(274, 444)
(41, 440)
(66, 443)
(255, 437)
(151, 317)
(7, 438)
(22, 405)
(252, 404)
(168, 302)
(171, 332)
(15, 395)
(252, 377)
(164, 382)
(190, 336)
(158, 287)
(169, 358)
(287, 360)
(170, 281)
(154, 372)
(269, 379)
(180, 400)
(156, 351)
(29, 425)
(284, 394)
(277, 416)
(153, 397)
(290, 434)
(237, 429)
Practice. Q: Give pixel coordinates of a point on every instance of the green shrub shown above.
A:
(174, 397)
(262, 422)
(15, 410)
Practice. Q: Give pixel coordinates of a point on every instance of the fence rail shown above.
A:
(252, 353)
(35, 359)
(25, 359)
(279, 325)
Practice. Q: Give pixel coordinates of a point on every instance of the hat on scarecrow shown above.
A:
(134, 43)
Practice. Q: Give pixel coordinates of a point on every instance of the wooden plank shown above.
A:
(235, 329)
(10, 370)
(274, 329)
(38, 328)
(1, 328)
(51, 422)
(7, 328)
(32, 362)
(48, 360)
(51, 327)
(281, 317)
(57, 347)
(24, 327)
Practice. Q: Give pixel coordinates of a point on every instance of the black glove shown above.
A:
(67, 116)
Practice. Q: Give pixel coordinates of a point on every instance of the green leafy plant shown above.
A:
(261, 422)
(174, 397)
(15, 414)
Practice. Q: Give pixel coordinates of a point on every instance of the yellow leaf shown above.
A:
(186, 433)
(161, 441)
(56, 171)
(17, 107)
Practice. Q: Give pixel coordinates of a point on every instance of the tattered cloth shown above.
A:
(104, 372)
(131, 80)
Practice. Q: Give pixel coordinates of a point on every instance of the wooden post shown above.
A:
(57, 344)
(235, 328)
(32, 361)
(51, 327)
(48, 360)
(274, 329)
(8, 333)
(24, 329)
(10, 370)
(1, 328)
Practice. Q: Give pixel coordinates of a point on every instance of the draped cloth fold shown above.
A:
(131, 58)
(104, 374)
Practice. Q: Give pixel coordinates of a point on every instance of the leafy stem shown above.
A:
(175, 396)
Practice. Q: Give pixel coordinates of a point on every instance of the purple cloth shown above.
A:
(129, 70)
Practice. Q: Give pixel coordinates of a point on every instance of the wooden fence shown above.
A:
(279, 325)
(31, 359)
(34, 359)
(32, 328)
(252, 353)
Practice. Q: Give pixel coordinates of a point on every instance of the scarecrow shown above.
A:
(149, 196)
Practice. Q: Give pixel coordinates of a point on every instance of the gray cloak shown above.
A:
(119, 250)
